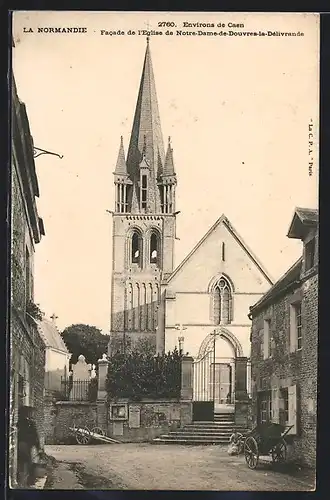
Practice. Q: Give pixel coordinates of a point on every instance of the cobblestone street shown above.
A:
(161, 467)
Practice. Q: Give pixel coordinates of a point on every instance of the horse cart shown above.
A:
(85, 435)
(266, 440)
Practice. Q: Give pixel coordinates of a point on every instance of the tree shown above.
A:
(138, 375)
(86, 340)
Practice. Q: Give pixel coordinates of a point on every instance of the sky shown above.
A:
(237, 109)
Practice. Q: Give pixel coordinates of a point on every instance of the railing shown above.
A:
(78, 390)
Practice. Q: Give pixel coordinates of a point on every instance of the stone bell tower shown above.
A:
(143, 221)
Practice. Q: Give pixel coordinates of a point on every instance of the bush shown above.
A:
(138, 375)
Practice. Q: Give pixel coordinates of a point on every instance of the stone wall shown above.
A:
(285, 368)
(147, 420)
(27, 350)
(141, 421)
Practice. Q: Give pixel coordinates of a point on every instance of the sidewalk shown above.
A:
(62, 476)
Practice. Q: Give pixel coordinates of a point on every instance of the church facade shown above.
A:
(208, 295)
(205, 302)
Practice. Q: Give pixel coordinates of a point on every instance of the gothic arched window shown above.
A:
(154, 249)
(222, 302)
(136, 249)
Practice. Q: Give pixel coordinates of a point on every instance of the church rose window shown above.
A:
(222, 302)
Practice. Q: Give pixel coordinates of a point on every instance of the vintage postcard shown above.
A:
(164, 222)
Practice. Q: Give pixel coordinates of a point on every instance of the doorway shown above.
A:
(221, 383)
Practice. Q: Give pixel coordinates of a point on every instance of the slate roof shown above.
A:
(146, 136)
(289, 278)
(308, 214)
(121, 168)
(302, 218)
(51, 335)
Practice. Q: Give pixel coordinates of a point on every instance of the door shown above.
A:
(221, 382)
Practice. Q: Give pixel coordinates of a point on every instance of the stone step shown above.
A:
(209, 422)
(187, 435)
(190, 441)
(201, 434)
(215, 428)
(205, 429)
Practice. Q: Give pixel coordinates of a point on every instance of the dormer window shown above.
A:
(309, 254)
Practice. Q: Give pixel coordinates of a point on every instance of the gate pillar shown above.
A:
(187, 378)
(103, 364)
(241, 395)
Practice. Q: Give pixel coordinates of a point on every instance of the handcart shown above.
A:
(84, 435)
(266, 439)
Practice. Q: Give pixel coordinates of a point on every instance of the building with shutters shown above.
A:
(208, 294)
(284, 345)
(27, 348)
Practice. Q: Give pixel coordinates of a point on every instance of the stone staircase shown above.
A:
(203, 433)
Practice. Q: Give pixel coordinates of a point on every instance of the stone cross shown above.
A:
(54, 318)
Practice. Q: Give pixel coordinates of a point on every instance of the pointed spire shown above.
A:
(146, 131)
(121, 168)
(169, 163)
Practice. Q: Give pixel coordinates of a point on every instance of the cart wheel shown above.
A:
(251, 452)
(279, 452)
(83, 435)
(98, 430)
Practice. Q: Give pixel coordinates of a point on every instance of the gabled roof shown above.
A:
(223, 220)
(303, 219)
(289, 278)
(51, 336)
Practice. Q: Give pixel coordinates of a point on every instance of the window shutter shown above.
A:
(293, 403)
(261, 336)
(275, 406)
(293, 336)
(266, 342)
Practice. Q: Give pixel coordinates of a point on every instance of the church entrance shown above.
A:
(214, 374)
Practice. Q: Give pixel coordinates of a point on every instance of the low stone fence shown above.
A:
(125, 421)
(146, 420)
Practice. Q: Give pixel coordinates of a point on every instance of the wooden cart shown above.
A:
(266, 440)
(85, 436)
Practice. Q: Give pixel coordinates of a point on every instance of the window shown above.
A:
(265, 407)
(298, 326)
(295, 327)
(268, 340)
(222, 302)
(24, 383)
(284, 406)
(136, 249)
(28, 276)
(223, 251)
(154, 248)
(144, 192)
(309, 254)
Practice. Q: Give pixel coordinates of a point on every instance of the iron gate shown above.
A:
(212, 384)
